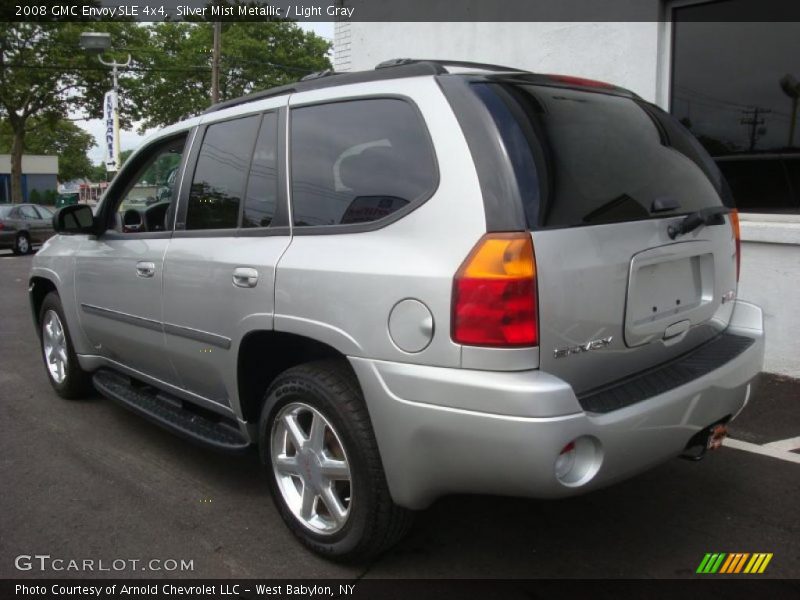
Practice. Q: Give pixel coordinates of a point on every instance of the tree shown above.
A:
(61, 138)
(44, 76)
(176, 77)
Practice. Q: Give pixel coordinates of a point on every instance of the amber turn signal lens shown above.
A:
(494, 293)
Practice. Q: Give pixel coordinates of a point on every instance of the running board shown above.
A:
(170, 412)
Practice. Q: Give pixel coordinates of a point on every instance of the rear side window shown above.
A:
(358, 161)
(221, 174)
(262, 184)
(595, 158)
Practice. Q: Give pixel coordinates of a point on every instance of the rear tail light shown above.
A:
(494, 293)
(2, 226)
(738, 237)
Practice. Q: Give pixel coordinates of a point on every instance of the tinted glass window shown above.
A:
(221, 173)
(793, 171)
(758, 184)
(733, 86)
(358, 161)
(45, 212)
(28, 212)
(605, 157)
(262, 185)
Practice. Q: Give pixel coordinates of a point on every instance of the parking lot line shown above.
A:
(765, 450)
(785, 445)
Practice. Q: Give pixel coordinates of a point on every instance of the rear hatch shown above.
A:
(602, 176)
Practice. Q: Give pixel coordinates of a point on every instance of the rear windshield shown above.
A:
(585, 158)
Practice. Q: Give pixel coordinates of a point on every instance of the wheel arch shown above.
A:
(265, 354)
(38, 288)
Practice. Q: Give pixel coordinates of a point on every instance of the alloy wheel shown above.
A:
(311, 468)
(54, 343)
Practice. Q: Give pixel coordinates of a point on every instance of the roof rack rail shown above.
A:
(318, 75)
(443, 63)
(390, 69)
(260, 95)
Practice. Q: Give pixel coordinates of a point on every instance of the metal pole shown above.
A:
(215, 63)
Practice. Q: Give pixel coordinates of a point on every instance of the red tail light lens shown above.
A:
(738, 237)
(494, 293)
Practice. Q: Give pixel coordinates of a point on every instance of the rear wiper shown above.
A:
(706, 216)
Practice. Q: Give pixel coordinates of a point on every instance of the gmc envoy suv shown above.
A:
(429, 278)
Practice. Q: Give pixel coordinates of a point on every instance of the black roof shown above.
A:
(396, 68)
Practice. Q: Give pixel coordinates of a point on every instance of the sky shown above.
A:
(130, 139)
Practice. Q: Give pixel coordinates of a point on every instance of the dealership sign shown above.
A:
(109, 119)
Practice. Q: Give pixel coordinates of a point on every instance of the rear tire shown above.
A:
(60, 361)
(344, 472)
(22, 244)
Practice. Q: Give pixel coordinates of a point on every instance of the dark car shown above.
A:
(23, 225)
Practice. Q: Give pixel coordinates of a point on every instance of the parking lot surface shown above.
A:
(89, 480)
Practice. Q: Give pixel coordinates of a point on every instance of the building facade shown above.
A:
(39, 172)
(733, 84)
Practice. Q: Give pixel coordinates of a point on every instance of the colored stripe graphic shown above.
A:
(734, 562)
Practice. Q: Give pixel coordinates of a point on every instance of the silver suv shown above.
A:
(426, 279)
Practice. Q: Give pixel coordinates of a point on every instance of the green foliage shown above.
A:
(45, 77)
(58, 137)
(98, 173)
(34, 197)
(49, 197)
(177, 80)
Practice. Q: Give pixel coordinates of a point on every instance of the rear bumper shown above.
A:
(436, 436)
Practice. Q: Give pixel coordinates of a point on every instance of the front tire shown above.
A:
(324, 469)
(60, 361)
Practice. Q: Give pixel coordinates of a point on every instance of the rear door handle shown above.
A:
(245, 277)
(145, 269)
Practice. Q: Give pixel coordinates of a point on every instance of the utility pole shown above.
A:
(215, 63)
(753, 122)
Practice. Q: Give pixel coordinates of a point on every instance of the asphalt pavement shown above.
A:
(89, 480)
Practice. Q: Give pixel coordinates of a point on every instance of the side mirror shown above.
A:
(72, 219)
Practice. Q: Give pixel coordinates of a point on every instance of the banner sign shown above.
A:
(109, 114)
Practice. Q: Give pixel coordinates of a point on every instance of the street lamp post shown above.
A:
(97, 43)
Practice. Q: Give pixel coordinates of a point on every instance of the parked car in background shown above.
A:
(23, 225)
(767, 183)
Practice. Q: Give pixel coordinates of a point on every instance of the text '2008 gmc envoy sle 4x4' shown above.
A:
(431, 278)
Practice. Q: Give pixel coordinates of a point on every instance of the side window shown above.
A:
(358, 161)
(29, 213)
(262, 184)
(221, 173)
(150, 190)
(45, 212)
